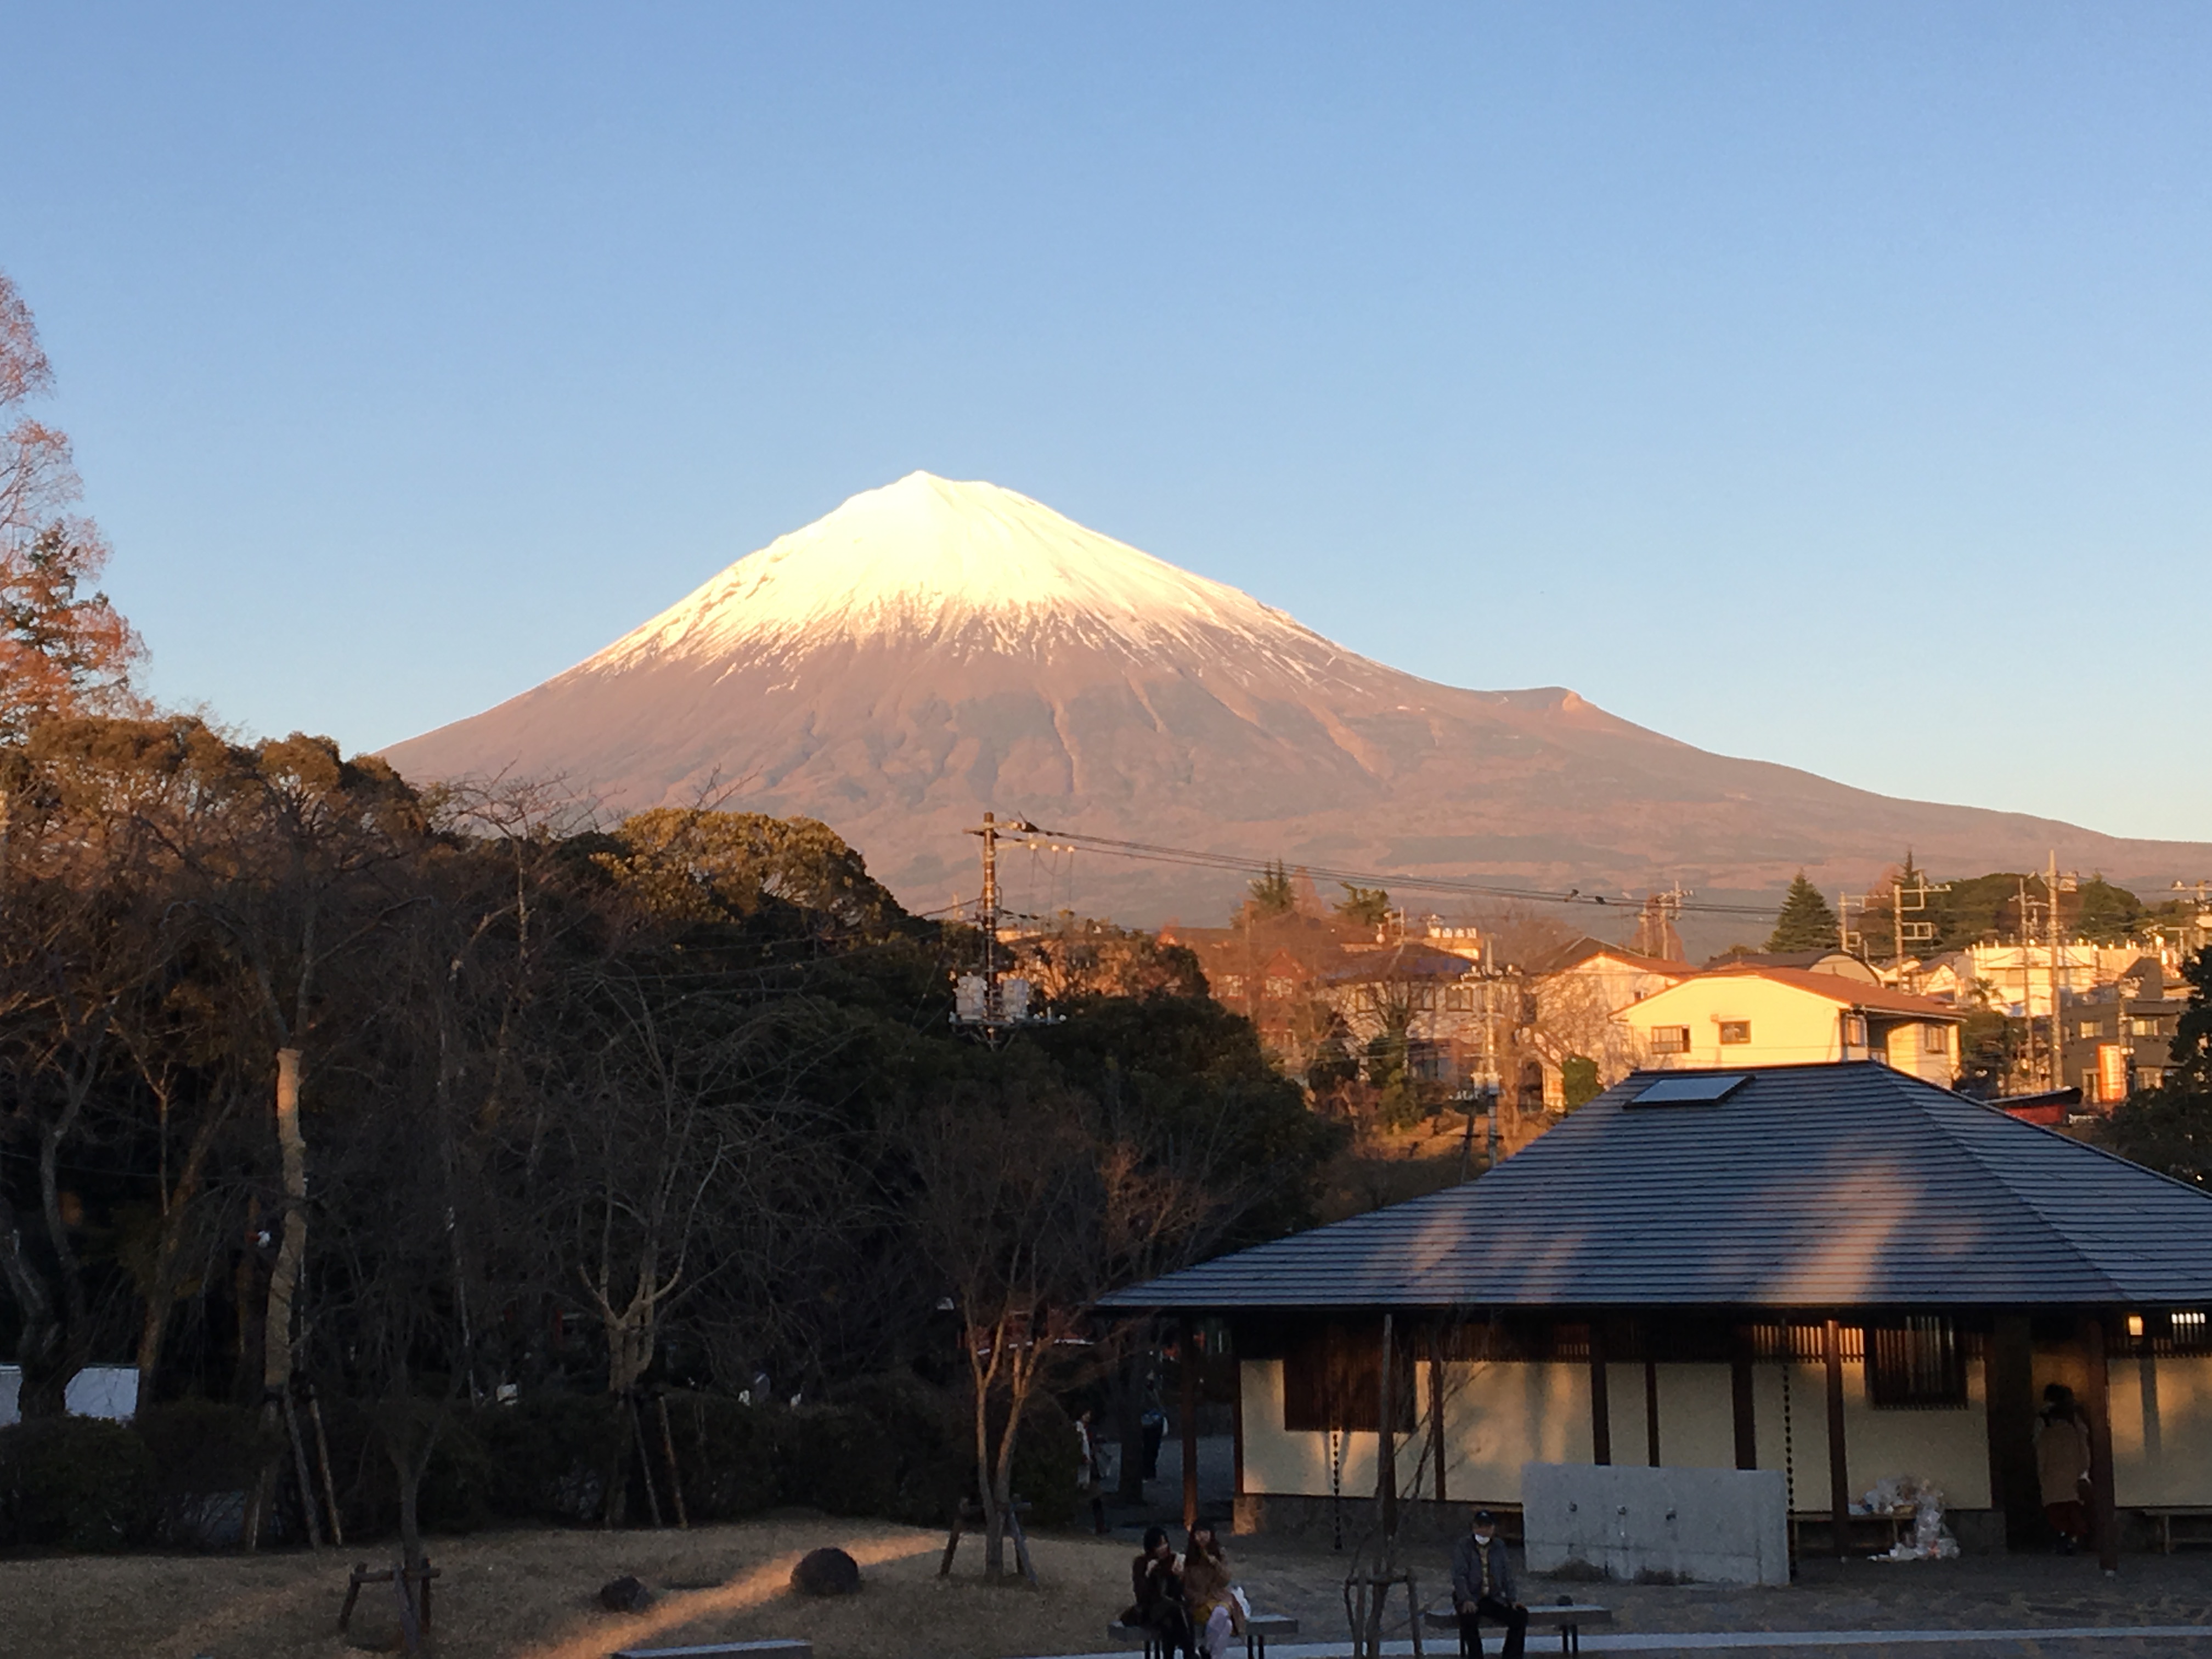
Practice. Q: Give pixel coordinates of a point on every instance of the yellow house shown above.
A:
(1789, 1017)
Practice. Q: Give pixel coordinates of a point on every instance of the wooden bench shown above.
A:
(2195, 1524)
(787, 1647)
(1257, 1629)
(1568, 1618)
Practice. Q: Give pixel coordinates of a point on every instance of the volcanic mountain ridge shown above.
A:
(930, 649)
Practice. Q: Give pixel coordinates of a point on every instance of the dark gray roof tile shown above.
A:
(1846, 1185)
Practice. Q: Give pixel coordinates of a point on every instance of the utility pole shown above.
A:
(2055, 884)
(1914, 898)
(1843, 934)
(991, 1002)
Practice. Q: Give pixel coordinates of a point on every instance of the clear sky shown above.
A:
(1831, 384)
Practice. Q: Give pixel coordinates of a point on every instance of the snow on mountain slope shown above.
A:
(932, 649)
(970, 566)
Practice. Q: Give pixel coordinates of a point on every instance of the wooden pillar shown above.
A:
(2008, 1389)
(1741, 1397)
(1600, 1409)
(1236, 1422)
(2104, 1515)
(1386, 1439)
(1651, 1407)
(1436, 1416)
(1839, 1477)
(1188, 1426)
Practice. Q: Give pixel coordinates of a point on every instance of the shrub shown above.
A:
(726, 1451)
(933, 1459)
(548, 1454)
(839, 1458)
(75, 1483)
(460, 1480)
(206, 1458)
(1046, 1463)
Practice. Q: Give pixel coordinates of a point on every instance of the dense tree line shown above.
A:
(578, 1108)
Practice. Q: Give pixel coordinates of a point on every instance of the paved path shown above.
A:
(1995, 1606)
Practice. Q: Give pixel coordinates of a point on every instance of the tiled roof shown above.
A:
(1840, 1185)
(1579, 951)
(1849, 993)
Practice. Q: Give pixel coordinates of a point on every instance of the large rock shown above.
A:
(624, 1595)
(826, 1573)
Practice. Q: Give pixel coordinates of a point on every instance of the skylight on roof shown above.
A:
(1690, 1091)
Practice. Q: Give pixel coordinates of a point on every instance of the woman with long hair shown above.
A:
(1214, 1611)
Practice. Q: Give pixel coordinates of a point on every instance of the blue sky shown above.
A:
(1829, 384)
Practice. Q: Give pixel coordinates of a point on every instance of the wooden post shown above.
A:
(2009, 1388)
(1436, 1416)
(1651, 1407)
(2104, 1518)
(1600, 1409)
(1839, 1477)
(1188, 1426)
(1740, 1390)
(1237, 1421)
(1386, 1446)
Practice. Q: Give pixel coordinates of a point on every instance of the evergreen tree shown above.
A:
(1272, 894)
(1369, 906)
(1805, 922)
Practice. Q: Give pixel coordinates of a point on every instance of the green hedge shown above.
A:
(891, 1446)
(75, 1483)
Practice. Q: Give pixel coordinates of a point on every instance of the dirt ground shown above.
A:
(533, 1595)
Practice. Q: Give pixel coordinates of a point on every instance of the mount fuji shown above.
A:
(930, 649)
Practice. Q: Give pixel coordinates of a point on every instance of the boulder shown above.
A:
(624, 1595)
(826, 1573)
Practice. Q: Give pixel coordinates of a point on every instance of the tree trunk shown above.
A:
(284, 1281)
(38, 1350)
(161, 1297)
(986, 1484)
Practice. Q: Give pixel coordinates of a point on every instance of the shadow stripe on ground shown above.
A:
(1672, 1641)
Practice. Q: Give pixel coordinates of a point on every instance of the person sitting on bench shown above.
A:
(1482, 1588)
(1156, 1577)
(1215, 1617)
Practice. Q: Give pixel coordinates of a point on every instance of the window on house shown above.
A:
(1736, 1030)
(1458, 999)
(1333, 1379)
(1936, 1039)
(2091, 1028)
(1278, 986)
(1670, 1039)
(1232, 984)
(2142, 1028)
(1916, 1365)
(1855, 1030)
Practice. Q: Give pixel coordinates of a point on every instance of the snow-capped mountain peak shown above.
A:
(965, 565)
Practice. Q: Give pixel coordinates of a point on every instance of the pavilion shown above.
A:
(1837, 1271)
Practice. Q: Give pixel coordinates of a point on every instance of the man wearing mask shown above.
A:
(1482, 1588)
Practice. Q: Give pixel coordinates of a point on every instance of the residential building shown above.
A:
(1574, 996)
(2118, 1038)
(1838, 1272)
(1786, 1015)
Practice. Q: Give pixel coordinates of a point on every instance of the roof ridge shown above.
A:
(2026, 1201)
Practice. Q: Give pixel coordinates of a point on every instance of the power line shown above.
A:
(1152, 852)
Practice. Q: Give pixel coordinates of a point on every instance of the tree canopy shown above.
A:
(1805, 922)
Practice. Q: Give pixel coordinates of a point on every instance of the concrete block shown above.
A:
(1684, 1526)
